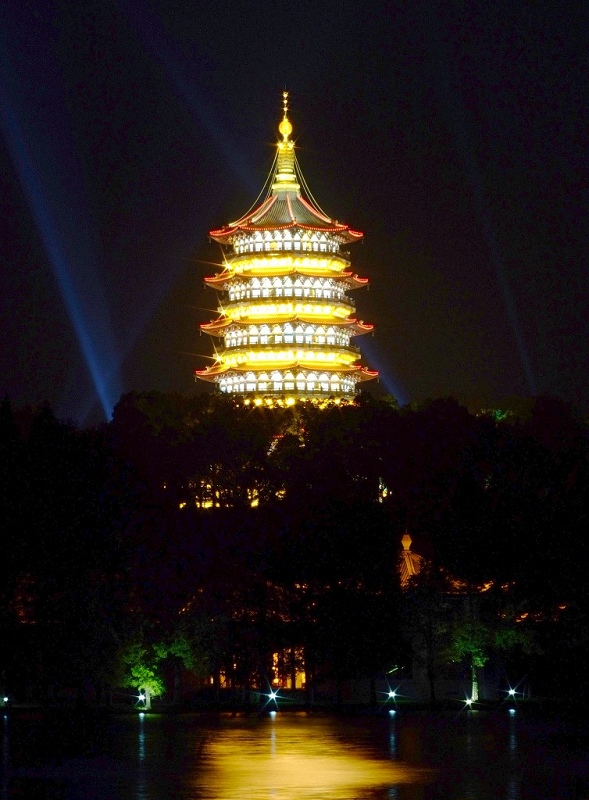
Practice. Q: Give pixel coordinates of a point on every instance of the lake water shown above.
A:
(295, 756)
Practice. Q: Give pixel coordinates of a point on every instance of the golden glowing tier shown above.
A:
(285, 318)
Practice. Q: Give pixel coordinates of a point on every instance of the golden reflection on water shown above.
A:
(293, 758)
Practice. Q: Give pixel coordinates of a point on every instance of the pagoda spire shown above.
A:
(285, 126)
(286, 320)
(285, 178)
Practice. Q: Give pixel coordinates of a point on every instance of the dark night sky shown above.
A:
(452, 133)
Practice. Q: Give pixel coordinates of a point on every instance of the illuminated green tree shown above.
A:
(140, 671)
(473, 642)
(470, 643)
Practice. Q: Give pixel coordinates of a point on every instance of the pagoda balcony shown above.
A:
(287, 340)
(282, 397)
(289, 291)
(277, 259)
(294, 346)
(260, 310)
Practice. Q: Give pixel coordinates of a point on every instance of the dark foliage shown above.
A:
(225, 532)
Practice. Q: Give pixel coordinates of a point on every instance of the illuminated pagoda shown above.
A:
(286, 320)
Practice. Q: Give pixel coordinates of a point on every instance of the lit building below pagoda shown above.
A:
(286, 320)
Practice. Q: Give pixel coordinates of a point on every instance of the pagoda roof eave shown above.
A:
(257, 213)
(285, 208)
(366, 374)
(362, 373)
(226, 234)
(354, 281)
(223, 277)
(206, 374)
(216, 327)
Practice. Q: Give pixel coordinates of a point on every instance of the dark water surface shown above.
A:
(293, 756)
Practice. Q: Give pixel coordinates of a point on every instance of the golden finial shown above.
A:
(285, 127)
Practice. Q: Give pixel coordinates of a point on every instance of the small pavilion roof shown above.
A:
(410, 563)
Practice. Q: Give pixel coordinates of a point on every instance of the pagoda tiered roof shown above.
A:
(285, 206)
(362, 373)
(348, 277)
(282, 210)
(218, 326)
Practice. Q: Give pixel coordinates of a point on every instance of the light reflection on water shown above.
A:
(513, 792)
(142, 781)
(5, 758)
(393, 790)
(294, 758)
(299, 757)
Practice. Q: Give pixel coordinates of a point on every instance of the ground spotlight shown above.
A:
(272, 698)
